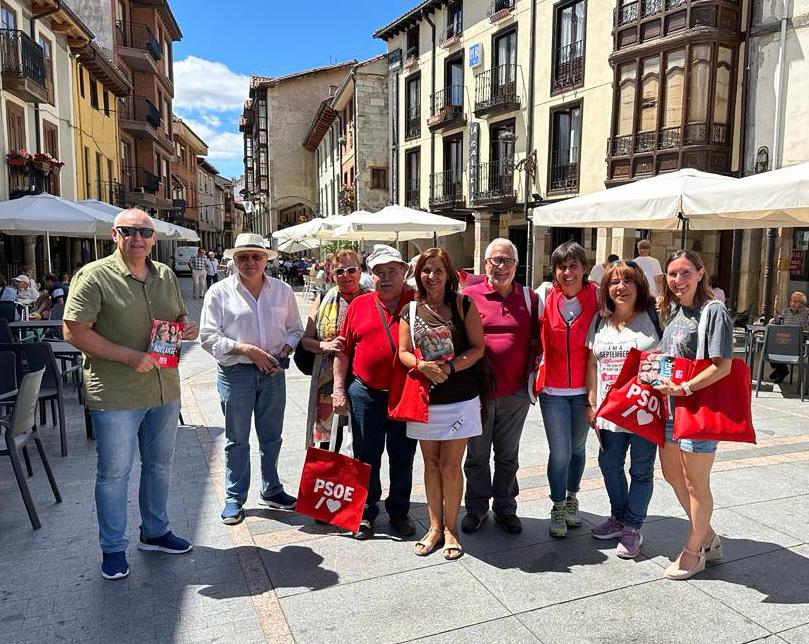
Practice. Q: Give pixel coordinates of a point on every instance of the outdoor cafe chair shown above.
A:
(783, 344)
(19, 429)
(8, 310)
(37, 355)
(6, 336)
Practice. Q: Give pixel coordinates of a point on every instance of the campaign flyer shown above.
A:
(165, 342)
(654, 367)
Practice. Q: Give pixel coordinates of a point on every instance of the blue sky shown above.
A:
(221, 50)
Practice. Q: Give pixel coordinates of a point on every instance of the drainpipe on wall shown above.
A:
(356, 140)
(738, 235)
(772, 233)
(529, 145)
(37, 134)
(432, 95)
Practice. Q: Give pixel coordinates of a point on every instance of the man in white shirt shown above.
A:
(650, 267)
(598, 271)
(250, 324)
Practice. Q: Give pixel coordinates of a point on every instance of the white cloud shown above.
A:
(209, 97)
(208, 85)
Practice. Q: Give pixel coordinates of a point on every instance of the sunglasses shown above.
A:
(508, 262)
(130, 231)
(628, 262)
(253, 257)
(351, 270)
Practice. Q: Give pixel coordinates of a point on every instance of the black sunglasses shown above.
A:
(628, 262)
(130, 231)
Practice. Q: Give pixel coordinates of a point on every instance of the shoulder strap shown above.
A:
(655, 318)
(385, 325)
(526, 293)
(412, 320)
(702, 329)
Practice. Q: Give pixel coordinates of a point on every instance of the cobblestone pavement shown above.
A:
(278, 577)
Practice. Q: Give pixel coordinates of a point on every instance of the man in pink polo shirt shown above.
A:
(512, 334)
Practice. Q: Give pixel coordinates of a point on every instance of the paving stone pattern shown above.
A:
(279, 577)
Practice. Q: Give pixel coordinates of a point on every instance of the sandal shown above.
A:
(428, 547)
(675, 572)
(452, 551)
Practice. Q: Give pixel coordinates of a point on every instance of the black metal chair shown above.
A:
(8, 311)
(20, 429)
(33, 356)
(742, 319)
(785, 345)
(6, 336)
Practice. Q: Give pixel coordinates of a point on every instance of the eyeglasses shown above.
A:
(624, 282)
(130, 231)
(351, 270)
(508, 262)
(253, 257)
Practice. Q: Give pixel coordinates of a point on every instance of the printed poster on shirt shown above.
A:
(611, 358)
(165, 343)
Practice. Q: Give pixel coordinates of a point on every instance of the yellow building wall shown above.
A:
(98, 133)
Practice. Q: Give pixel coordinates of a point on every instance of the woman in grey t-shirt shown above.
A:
(625, 294)
(688, 306)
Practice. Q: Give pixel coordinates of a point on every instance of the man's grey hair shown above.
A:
(129, 211)
(502, 241)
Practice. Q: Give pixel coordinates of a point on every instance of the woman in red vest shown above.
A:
(566, 309)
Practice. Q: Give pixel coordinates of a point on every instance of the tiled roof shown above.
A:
(267, 81)
(393, 27)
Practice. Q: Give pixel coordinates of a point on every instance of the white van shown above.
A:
(181, 257)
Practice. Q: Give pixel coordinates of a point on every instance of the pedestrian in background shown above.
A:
(211, 270)
(598, 271)
(796, 314)
(134, 406)
(371, 332)
(250, 324)
(446, 328)
(566, 310)
(688, 305)
(199, 270)
(651, 268)
(629, 325)
(511, 336)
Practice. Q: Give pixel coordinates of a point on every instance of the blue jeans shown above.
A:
(244, 391)
(117, 434)
(566, 428)
(371, 429)
(628, 505)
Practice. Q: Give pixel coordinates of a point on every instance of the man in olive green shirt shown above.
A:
(133, 404)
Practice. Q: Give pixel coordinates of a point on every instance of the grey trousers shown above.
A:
(501, 434)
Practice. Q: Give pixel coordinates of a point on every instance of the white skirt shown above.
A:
(449, 422)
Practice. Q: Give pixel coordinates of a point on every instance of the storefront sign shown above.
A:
(796, 264)
(475, 55)
(474, 141)
(394, 138)
(394, 60)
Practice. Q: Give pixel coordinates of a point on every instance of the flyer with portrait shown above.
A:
(165, 343)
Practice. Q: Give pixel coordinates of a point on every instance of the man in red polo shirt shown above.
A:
(508, 313)
(371, 332)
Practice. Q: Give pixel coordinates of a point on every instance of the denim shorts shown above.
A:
(688, 445)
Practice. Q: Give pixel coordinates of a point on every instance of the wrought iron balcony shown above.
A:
(500, 9)
(447, 190)
(569, 67)
(137, 36)
(140, 180)
(446, 109)
(494, 183)
(451, 35)
(23, 66)
(412, 194)
(564, 172)
(413, 122)
(136, 111)
(496, 90)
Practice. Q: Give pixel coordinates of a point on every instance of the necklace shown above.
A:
(434, 309)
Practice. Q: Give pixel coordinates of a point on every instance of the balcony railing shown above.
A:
(651, 7)
(137, 36)
(627, 12)
(447, 188)
(669, 138)
(564, 170)
(496, 90)
(451, 34)
(499, 9)
(140, 180)
(411, 57)
(21, 56)
(413, 122)
(140, 108)
(446, 107)
(632, 11)
(495, 181)
(412, 194)
(569, 69)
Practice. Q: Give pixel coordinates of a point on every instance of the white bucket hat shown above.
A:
(250, 241)
(384, 254)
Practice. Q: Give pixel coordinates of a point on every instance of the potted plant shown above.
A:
(18, 157)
